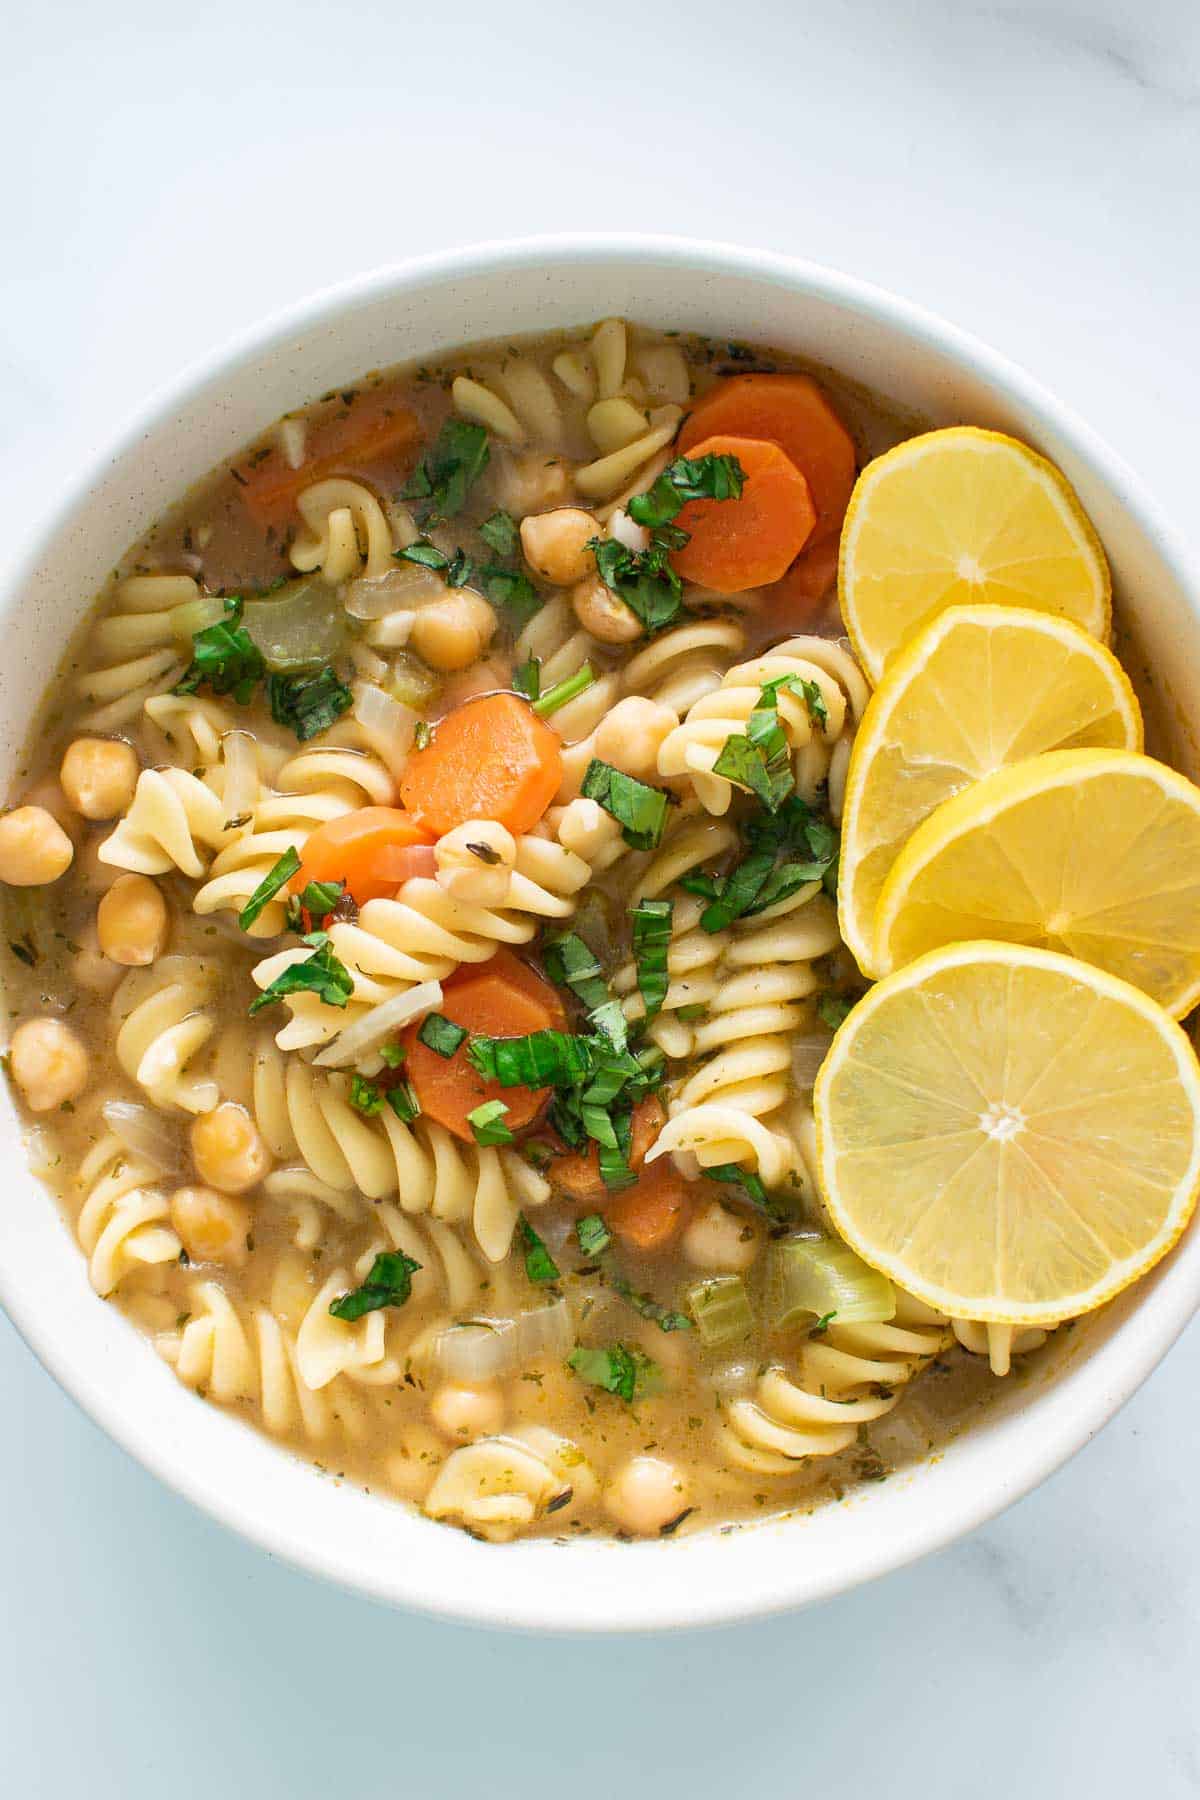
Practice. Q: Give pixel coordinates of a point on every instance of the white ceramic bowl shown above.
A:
(417, 311)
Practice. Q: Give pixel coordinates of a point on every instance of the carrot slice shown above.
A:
(377, 427)
(578, 1174)
(490, 758)
(501, 998)
(650, 1215)
(794, 412)
(797, 598)
(371, 850)
(748, 542)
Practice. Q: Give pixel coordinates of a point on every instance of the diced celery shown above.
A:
(823, 1278)
(302, 626)
(721, 1309)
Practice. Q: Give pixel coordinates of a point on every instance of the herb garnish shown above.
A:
(540, 1266)
(527, 679)
(644, 579)
(321, 974)
(665, 1317)
(593, 1234)
(487, 1123)
(701, 478)
(621, 1369)
(833, 1008)
(752, 1191)
(640, 810)
(564, 691)
(501, 535)
(388, 1283)
(651, 941)
(308, 704)
(225, 658)
(787, 850)
(440, 1034)
(445, 477)
(571, 964)
(316, 901)
(275, 878)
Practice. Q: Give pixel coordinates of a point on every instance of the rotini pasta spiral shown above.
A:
(681, 666)
(347, 531)
(161, 1019)
(124, 1222)
(514, 401)
(305, 1112)
(280, 822)
(694, 747)
(498, 1486)
(999, 1343)
(423, 935)
(843, 1379)
(136, 650)
(173, 818)
(725, 1110)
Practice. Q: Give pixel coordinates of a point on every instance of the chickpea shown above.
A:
(467, 1412)
(98, 776)
(131, 921)
(475, 862)
(213, 1228)
(556, 544)
(717, 1239)
(645, 1494)
(631, 735)
(34, 848)
(49, 1063)
(91, 969)
(411, 1468)
(227, 1150)
(599, 611)
(454, 632)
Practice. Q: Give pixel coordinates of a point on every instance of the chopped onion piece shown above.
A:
(292, 434)
(392, 632)
(403, 589)
(367, 1033)
(808, 1053)
(388, 725)
(145, 1132)
(489, 1349)
(627, 531)
(823, 1278)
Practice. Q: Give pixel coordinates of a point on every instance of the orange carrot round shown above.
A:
(794, 412)
(501, 998)
(371, 851)
(748, 542)
(650, 1215)
(490, 758)
(578, 1174)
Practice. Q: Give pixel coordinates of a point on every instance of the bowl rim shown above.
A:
(1145, 1336)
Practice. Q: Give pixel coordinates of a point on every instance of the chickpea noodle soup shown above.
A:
(422, 903)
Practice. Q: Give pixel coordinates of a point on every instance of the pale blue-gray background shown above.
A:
(169, 175)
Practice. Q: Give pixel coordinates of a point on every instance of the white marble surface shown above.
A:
(169, 175)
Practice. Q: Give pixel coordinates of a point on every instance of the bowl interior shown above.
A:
(373, 1544)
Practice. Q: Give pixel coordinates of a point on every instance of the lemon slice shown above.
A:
(1095, 852)
(960, 516)
(1010, 1135)
(980, 687)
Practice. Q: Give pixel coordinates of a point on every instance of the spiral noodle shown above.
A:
(723, 1111)
(172, 818)
(999, 1343)
(514, 401)
(124, 1223)
(694, 747)
(280, 822)
(843, 1379)
(681, 666)
(424, 934)
(343, 764)
(305, 1112)
(693, 954)
(161, 1018)
(561, 645)
(498, 1487)
(347, 531)
(136, 649)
